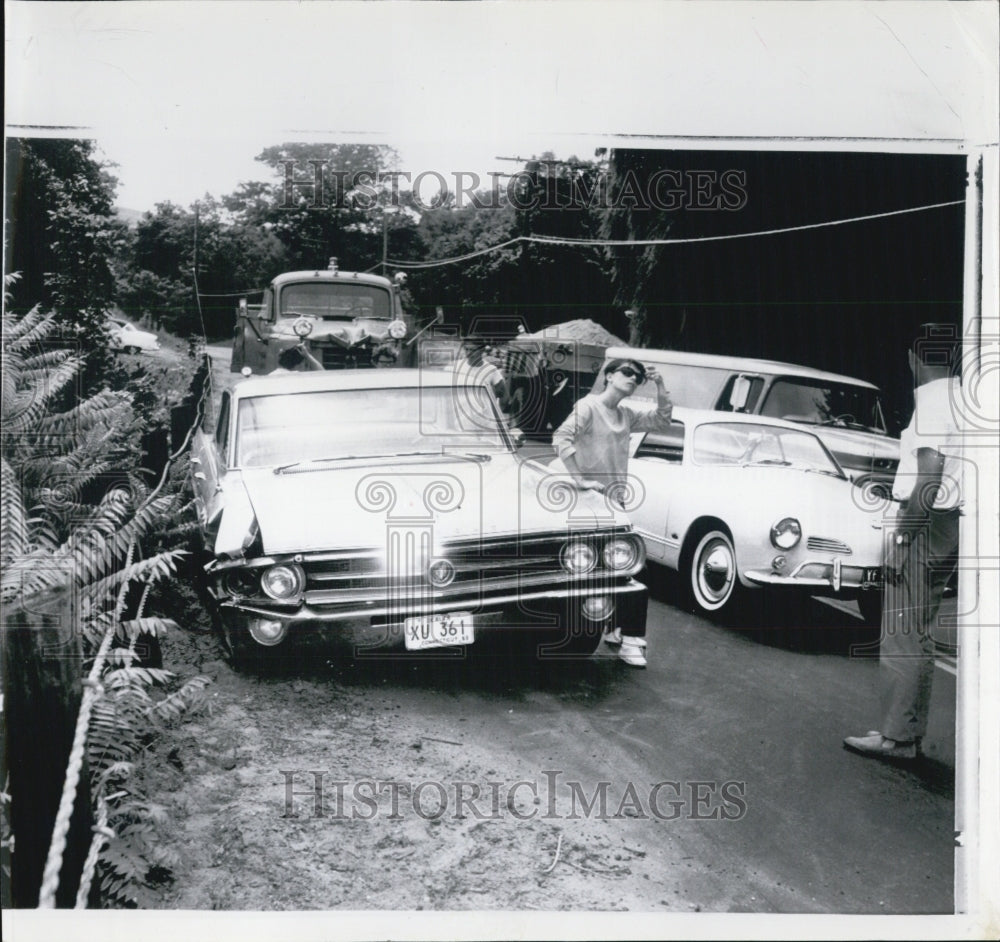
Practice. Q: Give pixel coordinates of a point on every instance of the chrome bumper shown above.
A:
(833, 576)
(380, 625)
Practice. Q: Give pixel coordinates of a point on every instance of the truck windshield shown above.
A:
(335, 300)
(821, 403)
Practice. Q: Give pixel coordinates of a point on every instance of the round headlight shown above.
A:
(282, 582)
(786, 533)
(303, 327)
(621, 553)
(577, 557)
(441, 573)
(397, 330)
(267, 632)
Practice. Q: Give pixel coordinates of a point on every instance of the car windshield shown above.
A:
(743, 444)
(820, 403)
(333, 425)
(335, 300)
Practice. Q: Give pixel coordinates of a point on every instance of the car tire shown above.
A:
(713, 584)
(243, 653)
(870, 604)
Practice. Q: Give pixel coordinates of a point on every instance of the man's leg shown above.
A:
(906, 656)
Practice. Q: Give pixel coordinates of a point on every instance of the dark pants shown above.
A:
(909, 614)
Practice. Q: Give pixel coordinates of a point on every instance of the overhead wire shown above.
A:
(564, 240)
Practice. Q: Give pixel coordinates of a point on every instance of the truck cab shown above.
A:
(345, 320)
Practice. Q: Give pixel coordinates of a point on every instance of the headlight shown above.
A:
(440, 573)
(577, 557)
(303, 327)
(282, 582)
(621, 553)
(786, 533)
(397, 330)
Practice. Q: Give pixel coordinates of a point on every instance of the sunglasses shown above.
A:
(632, 374)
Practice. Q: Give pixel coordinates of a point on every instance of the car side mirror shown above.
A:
(740, 393)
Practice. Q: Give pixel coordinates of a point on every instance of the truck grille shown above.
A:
(335, 357)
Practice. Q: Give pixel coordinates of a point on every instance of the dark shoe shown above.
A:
(875, 744)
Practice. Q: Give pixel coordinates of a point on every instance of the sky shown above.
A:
(183, 95)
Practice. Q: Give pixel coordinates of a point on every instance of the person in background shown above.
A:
(296, 359)
(593, 445)
(922, 549)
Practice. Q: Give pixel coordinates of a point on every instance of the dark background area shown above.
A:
(846, 298)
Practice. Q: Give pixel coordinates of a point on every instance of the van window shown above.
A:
(756, 385)
(820, 403)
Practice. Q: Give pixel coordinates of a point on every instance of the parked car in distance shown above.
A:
(738, 503)
(390, 509)
(845, 412)
(125, 336)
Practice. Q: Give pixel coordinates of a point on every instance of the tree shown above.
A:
(63, 238)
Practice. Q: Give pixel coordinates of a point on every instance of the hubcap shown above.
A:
(716, 572)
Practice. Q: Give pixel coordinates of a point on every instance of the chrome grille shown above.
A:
(822, 544)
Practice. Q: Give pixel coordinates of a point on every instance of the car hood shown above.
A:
(316, 507)
(345, 332)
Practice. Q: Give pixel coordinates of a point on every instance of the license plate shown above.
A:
(873, 576)
(438, 631)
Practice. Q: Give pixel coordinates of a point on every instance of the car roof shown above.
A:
(720, 362)
(691, 417)
(321, 274)
(281, 384)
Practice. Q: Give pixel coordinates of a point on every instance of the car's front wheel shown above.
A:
(713, 582)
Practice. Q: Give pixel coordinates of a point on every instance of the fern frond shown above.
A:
(151, 569)
(13, 523)
(21, 332)
(150, 625)
(111, 409)
(28, 405)
(188, 698)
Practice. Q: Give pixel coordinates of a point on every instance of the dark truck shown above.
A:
(344, 320)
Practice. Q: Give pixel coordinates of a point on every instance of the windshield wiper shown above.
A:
(399, 454)
(778, 462)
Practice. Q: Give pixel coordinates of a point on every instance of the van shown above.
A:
(846, 413)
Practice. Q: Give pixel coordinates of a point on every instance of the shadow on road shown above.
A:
(792, 621)
(493, 668)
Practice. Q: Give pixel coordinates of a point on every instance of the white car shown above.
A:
(127, 337)
(390, 509)
(740, 502)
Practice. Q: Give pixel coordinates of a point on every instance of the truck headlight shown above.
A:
(282, 582)
(397, 330)
(786, 533)
(577, 557)
(303, 327)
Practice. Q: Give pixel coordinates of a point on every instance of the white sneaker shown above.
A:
(613, 637)
(633, 651)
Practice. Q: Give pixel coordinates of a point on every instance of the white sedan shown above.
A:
(127, 337)
(740, 502)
